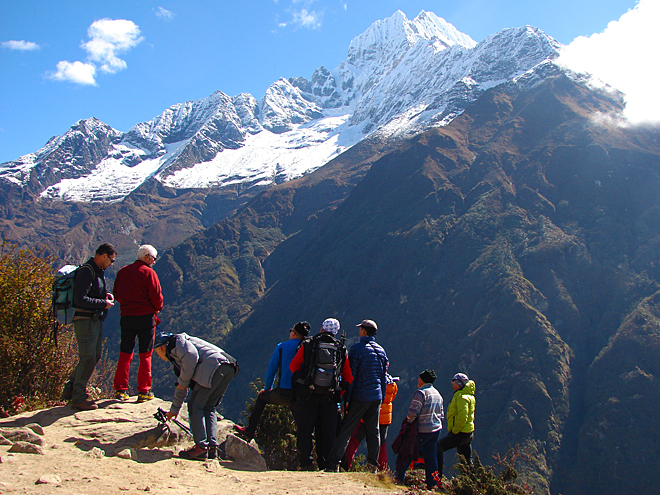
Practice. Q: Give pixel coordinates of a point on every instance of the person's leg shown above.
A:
(221, 379)
(449, 441)
(328, 432)
(196, 416)
(307, 412)
(370, 418)
(465, 447)
(145, 347)
(428, 449)
(402, 463)
(382, 454)
(89, 337)
(127, 343)
(356, 410)
(352, 447)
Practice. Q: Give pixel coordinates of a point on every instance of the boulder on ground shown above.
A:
(21, 434)
(26, 448)
(244, 453)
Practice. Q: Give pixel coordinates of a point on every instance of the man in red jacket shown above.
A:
(137, 289)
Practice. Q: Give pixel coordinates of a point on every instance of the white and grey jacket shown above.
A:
(197, 361)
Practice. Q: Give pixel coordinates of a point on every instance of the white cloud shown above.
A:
(76, 72)
(20, 45)
(305, 19)
(625, 55)
(164, 14)
(108, 39)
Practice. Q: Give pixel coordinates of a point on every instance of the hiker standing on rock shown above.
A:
(92, 301)
(369, 365)
(320, 372)
(137, 289)
(278, 366)
(460, 420)
(427, 408)
(206, 370)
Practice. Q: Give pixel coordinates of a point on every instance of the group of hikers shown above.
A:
(338, 397)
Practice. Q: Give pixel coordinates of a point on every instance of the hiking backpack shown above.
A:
(63, 308)
(324, 362)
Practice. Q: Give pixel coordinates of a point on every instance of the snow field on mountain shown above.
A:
(266, 155)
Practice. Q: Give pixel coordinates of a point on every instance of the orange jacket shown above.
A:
(386, 407)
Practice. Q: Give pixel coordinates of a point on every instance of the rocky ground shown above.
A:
(122, 448)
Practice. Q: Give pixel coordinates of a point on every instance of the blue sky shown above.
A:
(64, 61)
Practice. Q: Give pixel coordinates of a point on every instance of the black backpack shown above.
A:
(324, 359)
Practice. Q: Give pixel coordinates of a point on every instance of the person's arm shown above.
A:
(298, 360)
(346, 374)
(155, 293)
(85, 276)
(460, 419)
(185, 354)
(415, 406)
(119, 287)
(271, 371)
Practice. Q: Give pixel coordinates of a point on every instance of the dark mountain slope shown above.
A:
(517, 244)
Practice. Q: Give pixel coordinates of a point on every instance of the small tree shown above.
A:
(476, 479)
(32, 367)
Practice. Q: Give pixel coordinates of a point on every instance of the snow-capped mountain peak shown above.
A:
(399, 77)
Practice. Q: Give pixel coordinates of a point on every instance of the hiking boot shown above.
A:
(144, 397)
(195, 453)
(86, 405)
(243, 432)
(332, 468)
(216, 453)
(66, 396)
(121, 395)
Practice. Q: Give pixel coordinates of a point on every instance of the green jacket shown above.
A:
(460, 414)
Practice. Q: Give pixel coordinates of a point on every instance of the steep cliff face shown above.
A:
(517, 244)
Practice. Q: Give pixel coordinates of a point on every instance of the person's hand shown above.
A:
(180, 387)
(261, 391)
(108, 303)
(170, 415)
(110, 297)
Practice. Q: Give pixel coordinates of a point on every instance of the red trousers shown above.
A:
(144, 331)
(144, 372)
(356, 439)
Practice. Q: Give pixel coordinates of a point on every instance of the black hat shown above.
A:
(301, 328)
(428, 376)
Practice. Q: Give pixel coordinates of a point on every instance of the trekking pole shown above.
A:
(160, 416)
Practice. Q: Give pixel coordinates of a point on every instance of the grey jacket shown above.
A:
(197, 361)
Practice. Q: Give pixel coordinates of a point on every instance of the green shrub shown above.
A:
(475, 478)
(276, 435)
(32, 367)
(478, 479)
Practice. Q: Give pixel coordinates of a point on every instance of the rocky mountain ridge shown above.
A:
(400, 77)
(517, 244)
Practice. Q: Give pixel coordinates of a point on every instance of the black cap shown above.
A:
(301, 328)
(428, 376)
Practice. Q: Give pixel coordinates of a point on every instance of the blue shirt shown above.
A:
(288, 350)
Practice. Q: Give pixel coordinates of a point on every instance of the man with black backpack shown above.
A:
(321, 371)
(278, 367)
(92, 301)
